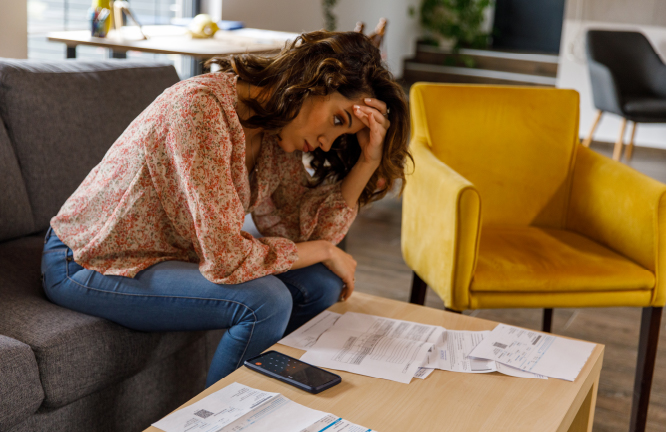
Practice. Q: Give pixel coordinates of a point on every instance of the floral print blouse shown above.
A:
(174, 186)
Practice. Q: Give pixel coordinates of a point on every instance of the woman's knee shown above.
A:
(269, 299)
(315, 284)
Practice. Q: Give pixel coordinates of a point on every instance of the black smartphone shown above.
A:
(293, 371)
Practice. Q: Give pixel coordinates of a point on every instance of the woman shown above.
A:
(152, 238)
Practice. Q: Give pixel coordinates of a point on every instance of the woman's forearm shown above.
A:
(353, 185)
(312, 252)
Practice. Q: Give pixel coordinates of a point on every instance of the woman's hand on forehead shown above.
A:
(374, 115)
(378, 105)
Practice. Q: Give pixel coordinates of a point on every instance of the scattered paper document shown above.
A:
(451, 353)
(238, 408)
(374, 346)
(368, 353)
(534, 352)
(350, 338)
(331, 423)
(423, 373)
(393, 328)
(512, 371)
(306, 335)
(452, 349)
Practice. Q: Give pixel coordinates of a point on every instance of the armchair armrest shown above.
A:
(622, 209)
(441, 219)
(605, 91)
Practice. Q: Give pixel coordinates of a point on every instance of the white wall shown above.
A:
(14, 28)
(282, 15)
(645, 16)
(401, 32)
(307, 15)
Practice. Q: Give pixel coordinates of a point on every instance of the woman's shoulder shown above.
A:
(217, 85)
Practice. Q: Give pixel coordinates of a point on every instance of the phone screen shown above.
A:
(294, 369)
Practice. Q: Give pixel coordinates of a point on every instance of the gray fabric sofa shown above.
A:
(61, 370)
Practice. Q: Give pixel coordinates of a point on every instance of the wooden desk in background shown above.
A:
(445, 401)
(169, 39)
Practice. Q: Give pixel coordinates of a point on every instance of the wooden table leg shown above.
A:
(617, 152)
(71, 52)
(585, 418)
(588, 139)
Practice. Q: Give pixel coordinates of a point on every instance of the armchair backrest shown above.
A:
(636, 68)
(516, 145)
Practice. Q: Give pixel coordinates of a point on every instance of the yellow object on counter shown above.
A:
(202, 27)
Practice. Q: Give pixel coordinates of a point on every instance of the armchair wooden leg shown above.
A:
(547, 323)
(419, 287)
(630, 147)
(647, 354)
(588, 139)
(617, 152)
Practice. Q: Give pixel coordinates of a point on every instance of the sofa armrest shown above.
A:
(622, 209)
(605, 91)
(21, 391)
(441, 219)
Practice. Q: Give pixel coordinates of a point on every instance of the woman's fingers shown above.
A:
(366, 112)
(361, 115)
(376, 103)
(348, 289)
(377, 129)
(374, 113)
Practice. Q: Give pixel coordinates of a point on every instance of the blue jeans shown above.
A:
(174, 296)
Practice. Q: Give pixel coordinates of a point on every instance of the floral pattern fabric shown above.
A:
(174, 186)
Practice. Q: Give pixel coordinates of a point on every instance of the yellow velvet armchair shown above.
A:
(505, 209)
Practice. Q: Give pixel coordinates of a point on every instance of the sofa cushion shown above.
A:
(77, 354)
(15, 213)
(62, 117)
(20, 390)
(131, 405)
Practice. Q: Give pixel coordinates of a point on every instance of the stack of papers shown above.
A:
(240, 408)
(401, 350)
(534, 352)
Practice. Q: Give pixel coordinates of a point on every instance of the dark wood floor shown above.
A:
(374, 241)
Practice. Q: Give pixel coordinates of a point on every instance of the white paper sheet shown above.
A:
(534, 352)
(238, 408)
(511, 371)
(423, 373)
(368, 353)
(451, 353)
(331, 423)
(452, 349)
(216, 410)
(306, 335)
(389, 327)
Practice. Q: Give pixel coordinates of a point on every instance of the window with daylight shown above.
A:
(45, 16)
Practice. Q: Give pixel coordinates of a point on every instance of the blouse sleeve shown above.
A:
(191, 170)
(302, 213)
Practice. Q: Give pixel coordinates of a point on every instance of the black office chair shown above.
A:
(628, 79)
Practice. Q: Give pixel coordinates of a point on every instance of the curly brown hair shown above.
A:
(317, 64)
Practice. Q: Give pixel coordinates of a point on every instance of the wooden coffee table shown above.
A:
(445, 401)
(169, 39)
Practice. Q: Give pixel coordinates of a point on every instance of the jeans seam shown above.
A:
(183, 297)
(301, 288)
(54, 250)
